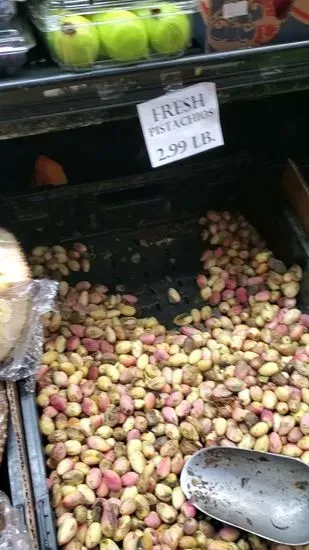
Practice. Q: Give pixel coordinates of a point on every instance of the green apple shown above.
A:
(123, 35)
(168, 28)
(76, 43)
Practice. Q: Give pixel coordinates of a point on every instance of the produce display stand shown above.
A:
(45, 100)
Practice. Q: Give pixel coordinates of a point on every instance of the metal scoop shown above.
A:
(265, 494)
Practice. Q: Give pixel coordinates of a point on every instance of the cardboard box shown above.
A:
(234, 24)
(296, 26)
(300, 10)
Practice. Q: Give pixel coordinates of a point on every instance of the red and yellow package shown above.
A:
(233, 24)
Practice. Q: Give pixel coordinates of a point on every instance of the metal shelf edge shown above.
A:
(48, 100)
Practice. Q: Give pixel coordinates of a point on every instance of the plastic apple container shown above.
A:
(81, 35)
(15, 42)
(7, 11)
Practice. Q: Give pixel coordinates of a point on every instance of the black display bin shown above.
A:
(121, 208)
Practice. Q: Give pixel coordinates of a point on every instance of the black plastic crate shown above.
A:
(142, 232)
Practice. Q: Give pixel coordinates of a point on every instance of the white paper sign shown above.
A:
(181, 124)
(235, 9)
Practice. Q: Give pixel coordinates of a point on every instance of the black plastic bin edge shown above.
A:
(43, 510)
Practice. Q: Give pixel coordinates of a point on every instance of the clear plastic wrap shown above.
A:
(22, 307)
(13, 535)
(87, 33)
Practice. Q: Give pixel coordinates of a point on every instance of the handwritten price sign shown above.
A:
(181, 124)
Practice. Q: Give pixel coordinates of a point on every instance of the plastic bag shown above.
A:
(21, 307)
(13, 535)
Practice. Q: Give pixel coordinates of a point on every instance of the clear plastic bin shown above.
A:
(15, 42)
(7, 11)
(82, 34)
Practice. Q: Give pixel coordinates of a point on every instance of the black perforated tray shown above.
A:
(142, 232)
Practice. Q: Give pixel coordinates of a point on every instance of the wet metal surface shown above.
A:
(263, 493)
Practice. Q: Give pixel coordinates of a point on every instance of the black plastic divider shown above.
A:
(15, 474)
(43, 511)
(148, 244)
(19, 476)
